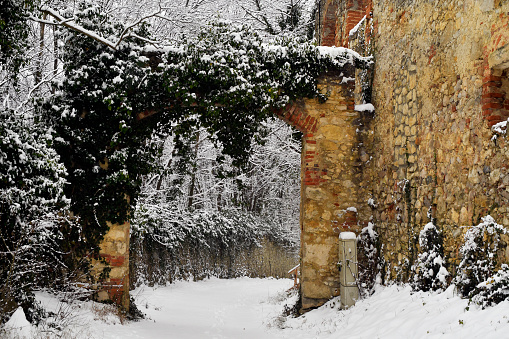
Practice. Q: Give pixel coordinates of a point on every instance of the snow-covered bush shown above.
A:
(431, 271)
(170, 244)
(493, 290)
(479, 256)
(32, 212)
(14, 31)
(369, 259)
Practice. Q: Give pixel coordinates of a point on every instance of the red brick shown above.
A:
(494, 118)
(491, 101)
(492, 84)
(492, 90)
(493, 95)
(491, 78)
(492, 105)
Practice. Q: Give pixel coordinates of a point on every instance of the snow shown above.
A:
(252, 308)
(351, 209)
(347, 80)
(396, 312)
(70, 24)
(19, 325)
(370, 230)
(347, 236)
(365, 107)
(290, 271)
(500, 127)
(428, 226)
(356, 28)
(341, 55)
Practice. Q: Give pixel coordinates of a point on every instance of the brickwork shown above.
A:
(328, 23)
(115, 251)
(350, 13)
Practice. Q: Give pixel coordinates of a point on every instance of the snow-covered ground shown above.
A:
(252, 308)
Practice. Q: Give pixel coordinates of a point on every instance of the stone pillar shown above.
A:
(115, 251)
(349, 291)
(331, 177)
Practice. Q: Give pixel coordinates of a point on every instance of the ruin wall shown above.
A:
(440, 82)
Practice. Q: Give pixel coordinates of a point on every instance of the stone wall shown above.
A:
(436, 98)
(440, 81)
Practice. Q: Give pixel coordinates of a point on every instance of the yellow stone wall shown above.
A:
(333, 196)
(438, 79)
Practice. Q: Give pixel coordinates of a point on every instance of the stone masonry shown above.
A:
(114, 250)
(331, 176)
(439, 83)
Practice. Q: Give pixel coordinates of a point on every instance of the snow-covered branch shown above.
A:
(69, 24)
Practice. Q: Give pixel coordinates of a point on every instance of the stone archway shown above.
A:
(332, 199)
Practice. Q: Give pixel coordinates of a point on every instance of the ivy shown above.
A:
(227, 80)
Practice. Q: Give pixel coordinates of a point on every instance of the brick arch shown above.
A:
(296, 115)
(352, 14)
(495, 89)
(329, 26)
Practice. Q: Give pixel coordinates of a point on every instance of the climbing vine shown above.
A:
(111, 102)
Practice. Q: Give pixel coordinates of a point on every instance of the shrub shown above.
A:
(431, 272)
(369, 259)
(493, 290)
(479, 256)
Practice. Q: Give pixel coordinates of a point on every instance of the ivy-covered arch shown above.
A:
(227, 79)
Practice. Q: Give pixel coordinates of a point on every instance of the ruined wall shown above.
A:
(439, 85)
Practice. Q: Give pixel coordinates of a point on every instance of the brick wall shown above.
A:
(328, 23)
(495, 101)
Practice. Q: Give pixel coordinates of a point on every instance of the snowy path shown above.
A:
(250, 308)
(209, 309)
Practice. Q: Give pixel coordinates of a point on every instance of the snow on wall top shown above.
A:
(347, 236)
(356, 28)
(364, 108)
(346, 55)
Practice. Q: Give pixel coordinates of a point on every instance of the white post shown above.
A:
(349, 291)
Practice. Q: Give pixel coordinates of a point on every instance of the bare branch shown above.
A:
(136, 23)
